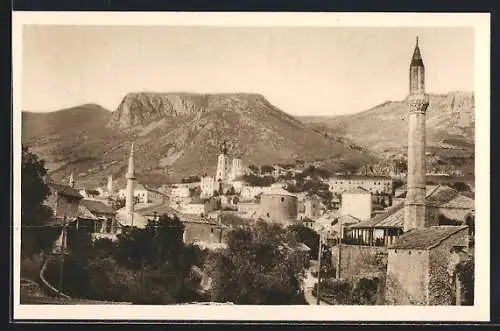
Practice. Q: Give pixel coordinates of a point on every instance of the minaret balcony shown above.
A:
(417, 103)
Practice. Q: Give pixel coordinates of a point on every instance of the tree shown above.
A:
(307, 236)
(33, 189)
(256, 268)
(465, 273)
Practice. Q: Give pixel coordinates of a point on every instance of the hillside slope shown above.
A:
(176, 135)
(450, 128)
(449, 121)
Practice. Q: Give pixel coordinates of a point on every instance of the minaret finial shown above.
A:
(417, 40)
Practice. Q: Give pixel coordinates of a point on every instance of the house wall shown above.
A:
(204, 232)
(357, 205)
(248, 207)
(374, 185)
(440, 258)
(312, 208)
(407, 277)
(63, 205)
(278, 208)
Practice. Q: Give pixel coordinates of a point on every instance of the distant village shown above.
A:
(414, 226)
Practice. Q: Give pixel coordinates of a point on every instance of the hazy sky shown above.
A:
(303, 70)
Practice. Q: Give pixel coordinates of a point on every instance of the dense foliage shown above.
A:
(254, 180)
(257, 268)
(33, 189)
(144, 266)
(465, 273)
(307, 236)
(362, 291)
(34, 215)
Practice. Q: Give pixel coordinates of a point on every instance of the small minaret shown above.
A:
(110, 184)
(129, 199)
(71, 180)
(417, 102)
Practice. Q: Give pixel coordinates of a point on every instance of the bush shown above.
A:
(465, 273)
(349, 292)
(365, 292)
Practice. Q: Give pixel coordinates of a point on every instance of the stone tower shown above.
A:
(222, 164)
(129, 198)
(71, 180)
(417, 102)
(236, 168)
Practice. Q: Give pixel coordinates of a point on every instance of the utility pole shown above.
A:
(319, 268)
(63, 252)
(339, 246)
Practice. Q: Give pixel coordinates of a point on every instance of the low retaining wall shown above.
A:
(49, 288)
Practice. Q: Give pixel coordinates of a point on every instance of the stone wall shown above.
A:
(203, 232)
(357, 260)
(407, 277)
(63, 205)
(441, 262)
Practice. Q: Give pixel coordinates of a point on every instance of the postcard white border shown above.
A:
(479, 312)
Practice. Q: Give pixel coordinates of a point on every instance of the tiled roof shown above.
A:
(166, 209)
(392, 218)
(278, 191)
(65, 190)
(96, 206)
(360, 177)
(426, 238)
(357, 190)
(159, 209)
(447, 197)
(85, 213)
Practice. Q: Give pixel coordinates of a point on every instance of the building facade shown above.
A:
(64, 201)
(374, 184)
(280, 206)
(357, 202)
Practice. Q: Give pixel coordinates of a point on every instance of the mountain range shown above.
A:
(177, 135)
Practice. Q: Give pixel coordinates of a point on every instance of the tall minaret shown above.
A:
(129, 199)
(71, 180)
(109, 187)
(417, 102)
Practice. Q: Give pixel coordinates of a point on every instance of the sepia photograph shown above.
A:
(251, 164)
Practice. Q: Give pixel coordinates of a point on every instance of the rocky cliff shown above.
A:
(180, 134)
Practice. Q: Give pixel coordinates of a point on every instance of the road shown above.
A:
(309, 282)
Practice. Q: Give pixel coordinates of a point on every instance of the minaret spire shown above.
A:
(129, 199)
(417, 102)
(71, 180)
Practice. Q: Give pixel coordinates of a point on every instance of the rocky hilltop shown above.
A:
(449, 122)
(180, 134)
(450, 128)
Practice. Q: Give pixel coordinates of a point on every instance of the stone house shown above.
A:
(418, 270)
(64, 201)
(97, 217)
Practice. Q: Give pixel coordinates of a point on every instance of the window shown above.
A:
(212, 230)
(267, 214)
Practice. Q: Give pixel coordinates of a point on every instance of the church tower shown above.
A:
(129, 199)
(417, 102)
(222, 164)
